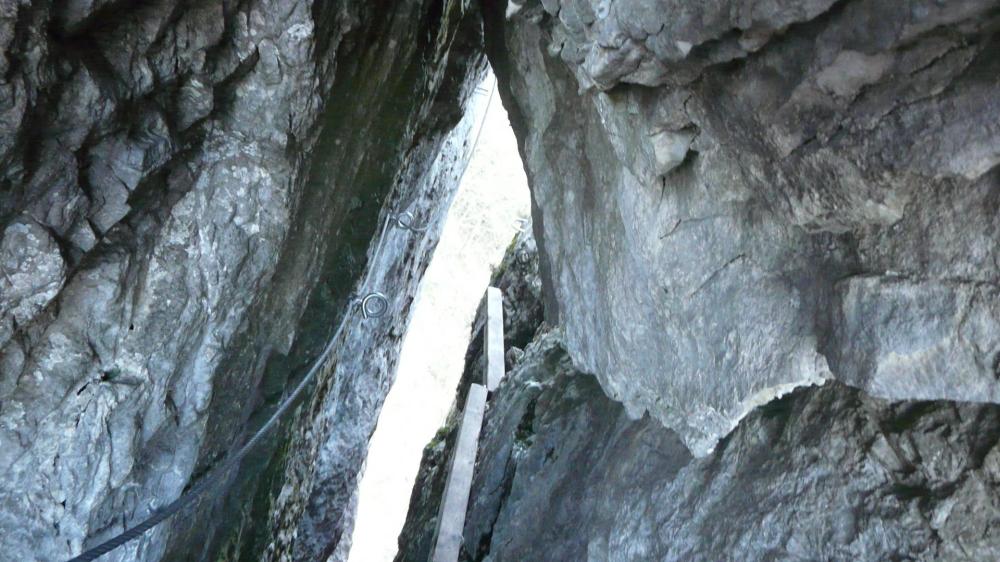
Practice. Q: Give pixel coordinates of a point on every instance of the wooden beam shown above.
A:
(493, 370)
(458, 486)
(451, 518)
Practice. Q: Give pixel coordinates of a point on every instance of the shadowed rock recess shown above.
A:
(187, 194)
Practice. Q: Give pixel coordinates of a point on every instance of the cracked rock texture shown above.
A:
(187, 194)
(735, 199)
(768, 238)
(564, 473)
(823, 473)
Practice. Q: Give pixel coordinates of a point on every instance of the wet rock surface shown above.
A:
(187, 195)
(736, 199)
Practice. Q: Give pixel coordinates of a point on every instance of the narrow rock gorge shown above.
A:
(757, 317)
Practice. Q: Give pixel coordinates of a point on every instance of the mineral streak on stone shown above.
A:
(736, 199)
(187, 192)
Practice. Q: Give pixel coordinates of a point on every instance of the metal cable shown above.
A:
(376, 253)
(374, 304)
(209, 481)
(482, 124)
(216, 475)
(475, 144)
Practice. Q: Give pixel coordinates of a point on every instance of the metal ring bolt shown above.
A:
(374, 305)
(405, 220)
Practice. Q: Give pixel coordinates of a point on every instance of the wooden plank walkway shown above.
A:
(455, 503)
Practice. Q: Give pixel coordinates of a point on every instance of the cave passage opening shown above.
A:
(492, 201)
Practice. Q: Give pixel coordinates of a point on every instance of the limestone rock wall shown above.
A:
(564, 473)
(187, 194)
(735, 199)
(823, 473)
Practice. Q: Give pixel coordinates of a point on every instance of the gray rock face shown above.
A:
(774, 234)
(736, 199)
(826, 473)
(188, 193)
(823, 473)
(33, 271)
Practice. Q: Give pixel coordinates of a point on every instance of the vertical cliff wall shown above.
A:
(733, 202)
(735, 199)
(518, 280)
(189, 190)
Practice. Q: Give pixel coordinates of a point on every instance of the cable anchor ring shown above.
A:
(374, 305)
(405, 221)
